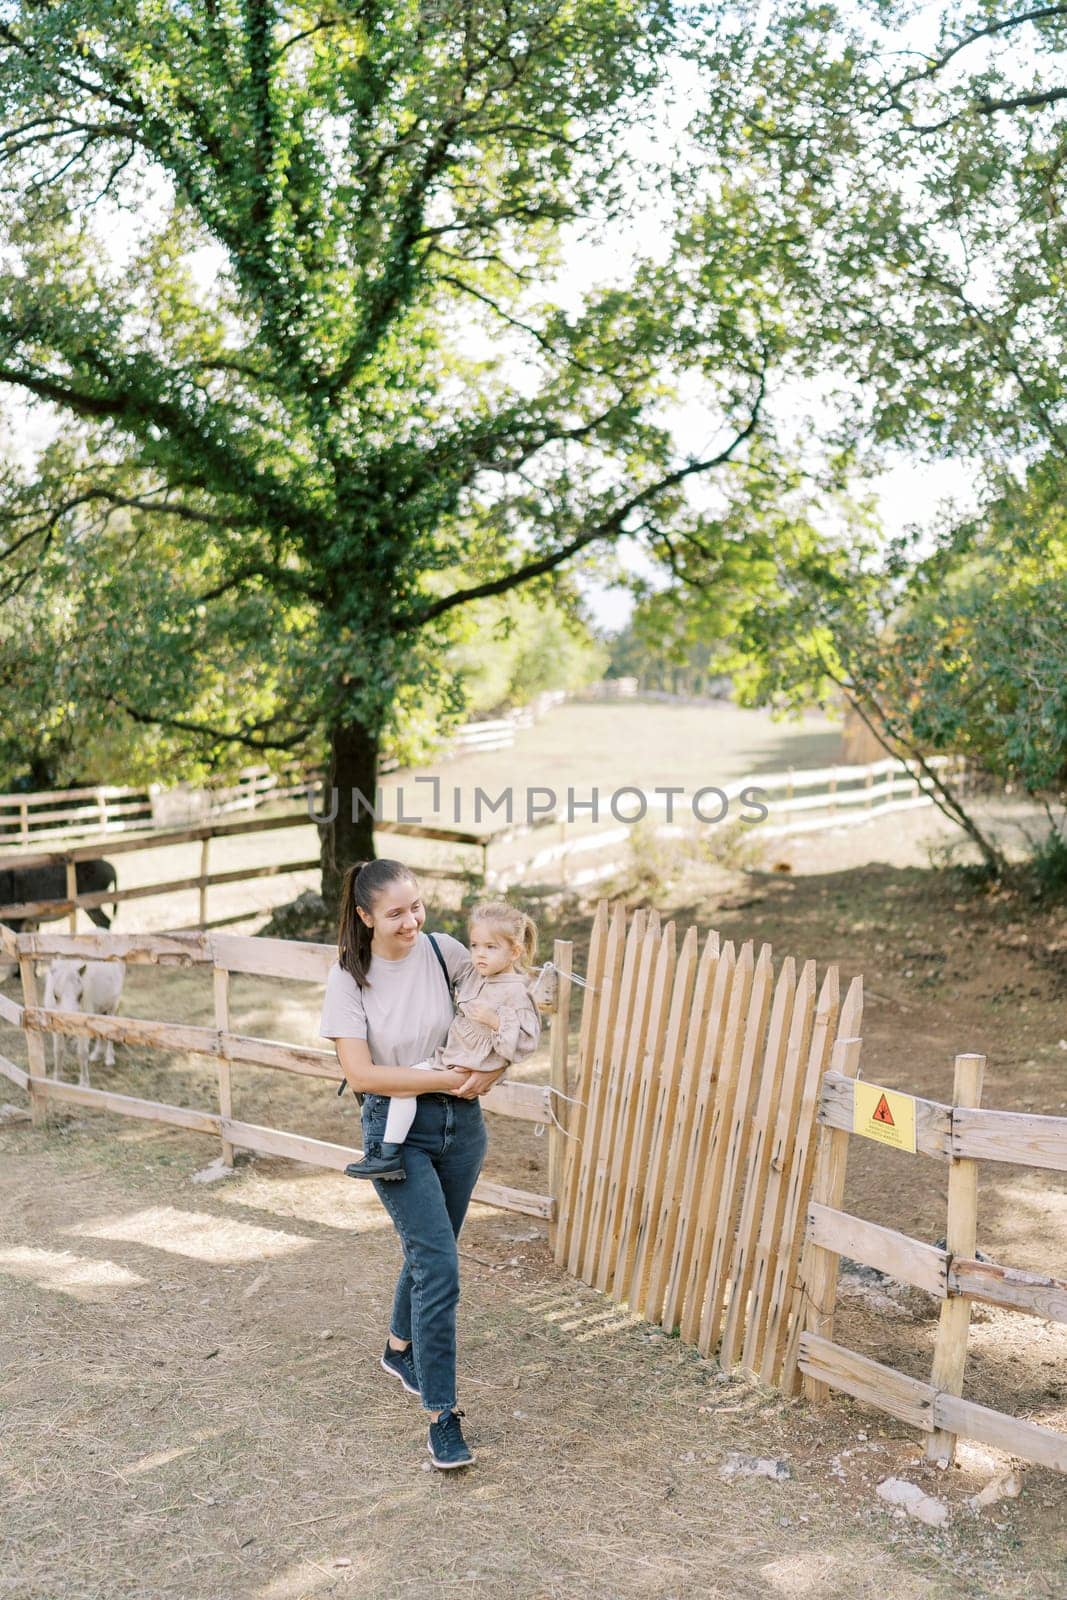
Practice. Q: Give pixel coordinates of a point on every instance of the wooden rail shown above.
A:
(960, 1134)
(204, 833)
(104, 809)
(224, 954)
(933, 1122)
(921, 1405)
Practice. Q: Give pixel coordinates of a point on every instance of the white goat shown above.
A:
(76, 985)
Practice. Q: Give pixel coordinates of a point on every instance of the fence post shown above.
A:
(24, 822)
(101, 805)
(818, 1267)
(562, 954)
(72, 893)
(950, 1348)
(221, 978)
(202, 915)
(34, 1042)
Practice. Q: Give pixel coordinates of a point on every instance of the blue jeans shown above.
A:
(443, 1156)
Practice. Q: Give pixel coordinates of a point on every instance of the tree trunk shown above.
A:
(351, 793)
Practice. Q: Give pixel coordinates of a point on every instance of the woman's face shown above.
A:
(396, 915)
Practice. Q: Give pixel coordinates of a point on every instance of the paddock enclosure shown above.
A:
(698, 1117)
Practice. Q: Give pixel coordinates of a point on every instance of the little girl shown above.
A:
(496, 1022)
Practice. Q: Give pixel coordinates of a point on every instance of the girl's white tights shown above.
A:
(401, 1113)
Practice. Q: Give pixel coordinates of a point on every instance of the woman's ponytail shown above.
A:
(529, 941)
(360, 885)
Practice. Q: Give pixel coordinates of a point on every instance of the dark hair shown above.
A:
(362, 883)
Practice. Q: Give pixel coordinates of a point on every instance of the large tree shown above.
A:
(286, 273)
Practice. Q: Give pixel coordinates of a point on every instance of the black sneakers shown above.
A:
(445, 1440)
(383, 1162)
(401, 1364)
(446, 1443)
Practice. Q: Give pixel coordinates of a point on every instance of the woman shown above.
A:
(388, 1003)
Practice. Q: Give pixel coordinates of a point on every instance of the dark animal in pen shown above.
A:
(21, 885)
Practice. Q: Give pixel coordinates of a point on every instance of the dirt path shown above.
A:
(177, 1422)
(175, 1425)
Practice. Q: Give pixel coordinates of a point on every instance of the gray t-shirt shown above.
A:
(405, 1010)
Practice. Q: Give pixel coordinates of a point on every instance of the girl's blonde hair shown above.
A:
(515, 923)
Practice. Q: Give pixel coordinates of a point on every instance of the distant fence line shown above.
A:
(69, 904)
(106, 809)
(842, 796)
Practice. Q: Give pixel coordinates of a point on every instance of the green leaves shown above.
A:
(286, 274)
(926, 200)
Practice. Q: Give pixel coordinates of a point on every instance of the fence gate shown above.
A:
(960, 1135)
(690, 1145)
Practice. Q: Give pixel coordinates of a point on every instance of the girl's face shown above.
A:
(397, 913)
(492, 950)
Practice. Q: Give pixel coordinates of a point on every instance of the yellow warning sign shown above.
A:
(883, 1114)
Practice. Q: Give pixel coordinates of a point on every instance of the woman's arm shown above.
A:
(365, 1078)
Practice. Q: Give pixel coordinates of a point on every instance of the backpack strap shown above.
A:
(443, 965)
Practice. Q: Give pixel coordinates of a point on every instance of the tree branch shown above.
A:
(221, 735)
(516, 322)
(609, 527)
(934, 66)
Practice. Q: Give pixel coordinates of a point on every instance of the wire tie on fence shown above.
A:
(539, 1127)
(572, 977)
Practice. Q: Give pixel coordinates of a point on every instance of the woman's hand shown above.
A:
(483, 1014)
(477, 1083)
(453, 1081)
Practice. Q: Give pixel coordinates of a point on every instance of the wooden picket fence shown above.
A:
(691, 1134)
(961, 1135)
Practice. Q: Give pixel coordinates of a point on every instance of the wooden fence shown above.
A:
(105, 809)
(696, 1152)
(101, 810)
(203, 879)
(798, 800)
(691, 1139)
(224, 954)
(961, 1135)
(837, 794)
